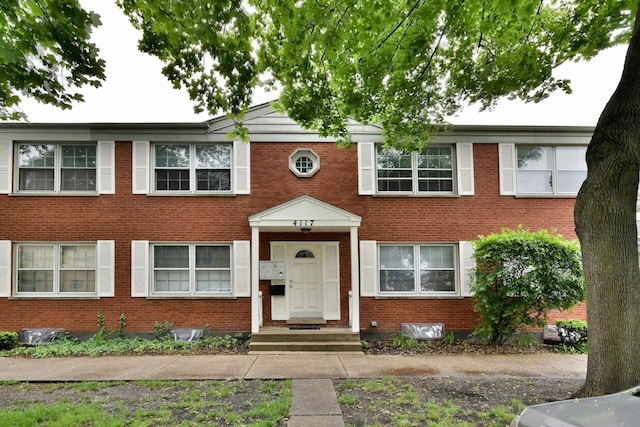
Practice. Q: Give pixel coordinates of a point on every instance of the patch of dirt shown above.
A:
(378, 346)
(470, 401)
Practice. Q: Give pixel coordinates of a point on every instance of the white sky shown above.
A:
(136, 90)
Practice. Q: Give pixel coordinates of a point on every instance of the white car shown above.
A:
(618, 409)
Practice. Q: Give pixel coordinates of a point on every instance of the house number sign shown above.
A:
(303, 222)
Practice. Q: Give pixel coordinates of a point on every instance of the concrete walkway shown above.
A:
(314, 400)
(289, 366)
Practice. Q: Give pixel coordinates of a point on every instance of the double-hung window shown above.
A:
(417, 269)
(64, 269)
(430, 171)
(191, 269)
(192, 167)
(57, 167)
(550, 170)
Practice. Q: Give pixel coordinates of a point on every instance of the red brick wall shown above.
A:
(124, 217)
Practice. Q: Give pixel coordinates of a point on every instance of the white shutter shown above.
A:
(464, 154)
(6, 163)
(5, 268)
(106, 167)
(279, 303)
(105, 270)
(366, 168)
(507, 161)
(467, 264)
(331, 270)
(141, 165)
(368, 268)
(139, 268)
(242, 167)
(242, 268)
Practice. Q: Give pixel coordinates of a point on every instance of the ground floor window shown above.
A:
(56, 269)
(417, 269)
(191, 269)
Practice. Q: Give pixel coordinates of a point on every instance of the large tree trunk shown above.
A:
(605, 217)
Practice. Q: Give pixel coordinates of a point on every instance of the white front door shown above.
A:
(305, 281)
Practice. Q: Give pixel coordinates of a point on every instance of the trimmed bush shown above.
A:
(519, 277)
(8, 340)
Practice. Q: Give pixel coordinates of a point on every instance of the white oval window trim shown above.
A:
(304, 162)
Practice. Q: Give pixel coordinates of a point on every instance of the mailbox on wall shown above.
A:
(277, 290)
(272, 270)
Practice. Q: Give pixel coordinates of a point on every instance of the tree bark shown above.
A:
(605, 219)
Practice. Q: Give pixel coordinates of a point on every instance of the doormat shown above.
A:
(303, 327)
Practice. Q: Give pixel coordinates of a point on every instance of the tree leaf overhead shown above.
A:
(45, 53)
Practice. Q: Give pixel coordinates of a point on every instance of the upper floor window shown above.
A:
(550, 169)
(440, 169)
(304, 162)
(417, 269)
(428, 171)
(192, 167)
(57, 167)
(191, 269)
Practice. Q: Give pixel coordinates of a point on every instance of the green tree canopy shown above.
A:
(45, 53)
(403, 64)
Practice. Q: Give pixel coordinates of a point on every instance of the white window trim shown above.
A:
(508, 166)
(142, 272)
(370, 273)
(463, 172)
(193, 182)
(304, 152)
(104, 271)
(191, 269)
(105, 169)
(143, 179)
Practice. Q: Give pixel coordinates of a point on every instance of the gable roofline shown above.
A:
(304, 212)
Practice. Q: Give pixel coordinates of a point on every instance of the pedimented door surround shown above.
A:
(306, 214)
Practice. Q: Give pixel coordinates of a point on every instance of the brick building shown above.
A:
(176, 222)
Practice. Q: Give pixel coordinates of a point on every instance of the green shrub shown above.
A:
(519, 277)
(8, 340)
(401, 340)
(573, 335)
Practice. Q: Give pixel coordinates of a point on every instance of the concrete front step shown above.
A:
(305, 340)
(305, 346)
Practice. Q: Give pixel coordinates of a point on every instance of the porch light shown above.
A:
(305, 230)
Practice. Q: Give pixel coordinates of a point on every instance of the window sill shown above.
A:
(419, 195)
(178, 194)
(420, 297)
(59, 194)
(160, 297)
(54, 297)
(545, 196)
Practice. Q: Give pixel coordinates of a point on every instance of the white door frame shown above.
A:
(319, 217)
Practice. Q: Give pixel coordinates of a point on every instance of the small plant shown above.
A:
(527, 340)
(573, 335)
(162, 330)
(122, 323)
(8, 340)
(448, 338)
(347, 399)
(102, 327)
(401, 340)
